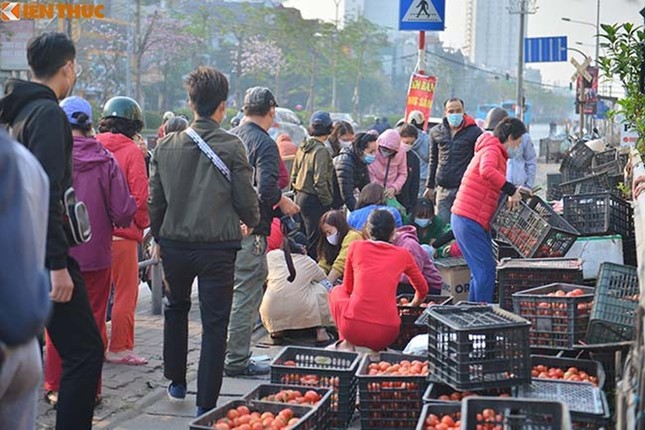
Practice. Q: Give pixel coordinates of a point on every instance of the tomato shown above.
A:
(243, 410)
(232, 414)
(221, 426)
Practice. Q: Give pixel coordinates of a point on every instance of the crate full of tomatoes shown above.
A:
(315, 367)
(437, 416)
(317, 398)
(441, 393)
(486, 413)
(391, 388)
(242, 414)
(409, 315)
(476, 347)
(515, 275)
(568, 369)
(558, 313)
(534, 229)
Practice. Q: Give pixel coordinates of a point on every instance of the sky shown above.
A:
(545, 22)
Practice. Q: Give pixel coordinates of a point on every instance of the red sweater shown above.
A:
(482, 184)
(133, 164)
(372, 274)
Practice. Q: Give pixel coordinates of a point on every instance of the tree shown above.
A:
(263, 56)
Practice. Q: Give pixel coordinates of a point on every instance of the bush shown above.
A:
(152, 119)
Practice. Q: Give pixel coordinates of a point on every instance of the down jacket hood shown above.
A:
(17, 94)
(88, 153)
(390, 139)
(489, 140)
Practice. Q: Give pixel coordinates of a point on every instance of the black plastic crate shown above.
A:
(314, 367)
(476, 347)
(438, 410)
(586, 184)
(629, 252)
(615, 303)
(557, 322)
(587, 404)
(553, 181)
(534, 229)
(410, 314)
(611, 168)
(579, 155)
(570, 172)
(599, 213)
(436, 393)
(322, 409)
(503, 250)
(305, 413)
(590, 367)
(516, 414)
(604, 157)
(515, 275)
(389, 401)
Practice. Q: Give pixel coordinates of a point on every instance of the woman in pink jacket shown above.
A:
(390, 167)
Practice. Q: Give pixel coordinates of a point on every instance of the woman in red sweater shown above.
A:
(477, 200)
(364, 306)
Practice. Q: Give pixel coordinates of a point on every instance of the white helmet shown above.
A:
(168, 116)
(416, 117)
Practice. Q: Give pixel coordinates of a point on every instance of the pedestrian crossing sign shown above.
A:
(422, 15)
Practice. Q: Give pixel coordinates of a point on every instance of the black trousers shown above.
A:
(311, 210)
(76, 337)
(214, 269)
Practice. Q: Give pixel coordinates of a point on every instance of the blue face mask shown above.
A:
(422, 222)
(369, 158)
(455, 119)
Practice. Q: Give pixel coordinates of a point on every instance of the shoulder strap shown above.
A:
(208, 152)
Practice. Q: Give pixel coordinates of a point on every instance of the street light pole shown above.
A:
(521, 8)
(597, 31)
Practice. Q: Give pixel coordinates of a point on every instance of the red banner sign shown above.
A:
(421, 95)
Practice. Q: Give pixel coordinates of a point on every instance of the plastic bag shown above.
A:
(417, 346)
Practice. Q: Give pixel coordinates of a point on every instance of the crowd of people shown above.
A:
(371, 210)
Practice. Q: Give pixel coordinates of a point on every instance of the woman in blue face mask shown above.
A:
(434, 234)
(351, 167)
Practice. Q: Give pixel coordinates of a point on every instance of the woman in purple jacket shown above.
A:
(101, 185)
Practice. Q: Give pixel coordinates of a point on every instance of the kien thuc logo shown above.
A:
(10, 11)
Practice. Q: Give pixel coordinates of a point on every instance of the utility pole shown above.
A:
(335, 59)
(521, 8)
(597, 31)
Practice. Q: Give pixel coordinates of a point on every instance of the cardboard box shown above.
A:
(456, 278)
(595, 250)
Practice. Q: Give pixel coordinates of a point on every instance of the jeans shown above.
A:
(311, 210)
(214, 271)
(250, 275)
(445, 200)
(477, 247)
(76, 337)
(20, 376)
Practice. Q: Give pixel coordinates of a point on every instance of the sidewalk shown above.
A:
(134, 397)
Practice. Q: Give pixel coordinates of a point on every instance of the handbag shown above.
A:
(208, 151)
(77, 219)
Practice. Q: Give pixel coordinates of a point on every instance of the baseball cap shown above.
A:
(417, 117)
(321, 119)
(259, 97)
(75, 105)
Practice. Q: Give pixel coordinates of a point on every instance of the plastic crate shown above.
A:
(515, 275)
(305, 413)
(454, 410)
(599, 213)
(604, 157)
(557, 322)
(587, 404)
(435, 391)
(592, 368)
(409, 315)
(316, 367)
(389, 401)
(611, 168)
(570, 172)
(629, 252)
(516, 414)
(579, 155)
(476, 347)
(586, 184)
(322, 409)
(615, 303)
(534, 229)
(553, 181)
(503, 250)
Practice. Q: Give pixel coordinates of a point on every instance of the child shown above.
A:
(434, 233)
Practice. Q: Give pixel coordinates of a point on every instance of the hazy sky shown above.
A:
(546, 22)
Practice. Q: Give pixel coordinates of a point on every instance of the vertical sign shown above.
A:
(589, 91)
(421, 94)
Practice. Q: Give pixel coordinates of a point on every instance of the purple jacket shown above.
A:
(406, 237)
(99, 183)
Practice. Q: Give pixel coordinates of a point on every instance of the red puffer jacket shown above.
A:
(482, 184)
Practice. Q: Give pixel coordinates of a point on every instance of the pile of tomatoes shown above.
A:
(241, 418)
(489, 419)
(404, 301)
(294, 397)
(402, 368)
(445, 422)
(571, 374)
(458, 396)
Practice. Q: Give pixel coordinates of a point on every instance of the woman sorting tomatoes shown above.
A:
(364, 306)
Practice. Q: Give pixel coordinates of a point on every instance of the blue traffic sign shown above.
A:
(422, 15)
(545, 49)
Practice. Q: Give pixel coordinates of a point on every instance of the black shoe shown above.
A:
(253, 369)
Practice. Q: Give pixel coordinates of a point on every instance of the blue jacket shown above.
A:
(358, 218)
(24, 283)
(522, 163)
(421, 147)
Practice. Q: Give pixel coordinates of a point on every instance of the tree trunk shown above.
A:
(356, 97)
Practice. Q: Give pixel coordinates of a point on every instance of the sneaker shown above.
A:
(201, 411)
(176, 392)
(253, 369)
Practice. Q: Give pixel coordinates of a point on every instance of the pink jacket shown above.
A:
(397, 173)
(406, 237)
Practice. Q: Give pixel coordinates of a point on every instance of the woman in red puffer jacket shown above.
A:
(476, 202)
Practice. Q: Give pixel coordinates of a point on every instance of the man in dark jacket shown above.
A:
(452, 146)
(251, 264)
(197, 203)
(32, 112)
(410, 191)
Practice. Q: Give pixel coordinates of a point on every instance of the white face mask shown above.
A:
(333, 239)
(345, 143)
(405, 147)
